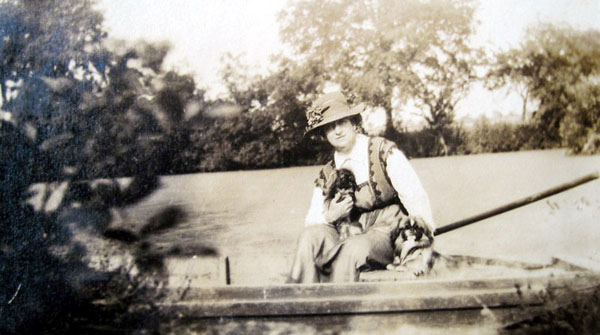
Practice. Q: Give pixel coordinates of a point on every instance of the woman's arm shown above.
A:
(409, 188)
(318, 213)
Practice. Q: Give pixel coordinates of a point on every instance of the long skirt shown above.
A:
(321, 257)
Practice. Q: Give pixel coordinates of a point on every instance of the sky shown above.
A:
(201, 31)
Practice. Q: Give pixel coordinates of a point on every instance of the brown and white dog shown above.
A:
(413, 246)
(344, 184)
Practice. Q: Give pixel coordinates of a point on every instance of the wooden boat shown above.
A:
(466, 294)
(486, 293)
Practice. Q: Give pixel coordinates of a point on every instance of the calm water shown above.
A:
(254, 217)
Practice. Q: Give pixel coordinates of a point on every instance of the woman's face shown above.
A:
(341, 135)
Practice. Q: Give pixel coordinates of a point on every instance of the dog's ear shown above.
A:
(329, 184)
(397, 226)
(421, 223)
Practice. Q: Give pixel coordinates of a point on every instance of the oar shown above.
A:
(516, 204)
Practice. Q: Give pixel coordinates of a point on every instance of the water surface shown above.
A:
(254, 217)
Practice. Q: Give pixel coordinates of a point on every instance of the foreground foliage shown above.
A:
(73, 111)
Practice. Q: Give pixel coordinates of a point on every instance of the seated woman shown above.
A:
(388, 188)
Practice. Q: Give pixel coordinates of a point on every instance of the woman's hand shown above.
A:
(338, 208)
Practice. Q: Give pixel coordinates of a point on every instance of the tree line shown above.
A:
(77, 106)
(97, 110)
(391, 55)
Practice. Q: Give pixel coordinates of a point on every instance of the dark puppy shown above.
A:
(413, 246)
(344, 184)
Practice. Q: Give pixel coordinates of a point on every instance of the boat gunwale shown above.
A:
(374, 297)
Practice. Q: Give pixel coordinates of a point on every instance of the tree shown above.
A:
(559, 67)
(262, 125)
(36, 56)
(388, 51)
(292, 89)
(76, 111)
(32, 48)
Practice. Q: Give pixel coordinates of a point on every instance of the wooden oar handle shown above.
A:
(516, 204)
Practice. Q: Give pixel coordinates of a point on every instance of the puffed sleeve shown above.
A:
(315, 212)
(410, 191)
(323, 182)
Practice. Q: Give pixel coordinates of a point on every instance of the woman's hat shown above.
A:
(329, 108)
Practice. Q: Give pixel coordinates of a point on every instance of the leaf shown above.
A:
(122, 235)
(196, 250)
(139, 188)
(167, 218)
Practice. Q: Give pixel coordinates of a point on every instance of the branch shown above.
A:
(14, 295)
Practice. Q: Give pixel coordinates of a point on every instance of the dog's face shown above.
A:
(412, 229)
(343, 183)
(409, 233)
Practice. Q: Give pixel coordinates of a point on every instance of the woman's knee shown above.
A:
(314, 232)
(313, 235)
(356, 249)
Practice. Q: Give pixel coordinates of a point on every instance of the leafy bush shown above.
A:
(580, 128)
(486, 136)
(78, 112)
(427, 142)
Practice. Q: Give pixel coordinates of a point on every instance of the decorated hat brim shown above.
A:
(338, 116)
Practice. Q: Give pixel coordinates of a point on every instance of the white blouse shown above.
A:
(403, 177)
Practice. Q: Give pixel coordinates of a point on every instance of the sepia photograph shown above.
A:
(299, 167)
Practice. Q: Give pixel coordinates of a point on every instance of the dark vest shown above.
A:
(379, 181)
